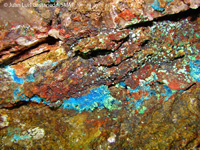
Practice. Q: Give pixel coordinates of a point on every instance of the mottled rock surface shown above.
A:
(99, 74)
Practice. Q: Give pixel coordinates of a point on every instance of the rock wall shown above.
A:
(99, 74)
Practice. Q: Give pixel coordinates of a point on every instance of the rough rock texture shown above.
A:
(99, 74)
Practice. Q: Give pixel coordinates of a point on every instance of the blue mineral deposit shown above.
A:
(156, 6)
(195, 69)
(14, 77)
(20, 137)
(98, 97)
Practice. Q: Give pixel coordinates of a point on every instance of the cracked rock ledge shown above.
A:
(97, 74)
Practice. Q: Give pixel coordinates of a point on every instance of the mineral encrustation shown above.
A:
(99, 74)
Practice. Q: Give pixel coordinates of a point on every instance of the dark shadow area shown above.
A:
(144, 43)
(190, 87)
(92, 54)
(17, 105)
(49, 40)
(30, 57)
(193, 13)
(100, 52)
(140, 24)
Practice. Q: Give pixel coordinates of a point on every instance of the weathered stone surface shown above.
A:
(171, 124)
(99, 74)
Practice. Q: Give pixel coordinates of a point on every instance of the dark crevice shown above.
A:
(178, 57)
(50, 23)
(144, 43)
(198, 146)
(159, 82)
(6, 48)
(30, 57)
(100, 52)
(193, 13)
(20, 104)
(140, 24)
(189, 142)
(91, 54)
(113, 84)
(190, 87)
(49, 40)
(17, 105)
(122, 40)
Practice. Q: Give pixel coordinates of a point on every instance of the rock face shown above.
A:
(99, 74)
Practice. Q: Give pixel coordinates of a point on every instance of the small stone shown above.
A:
(36, 133)
(112, 137)
(56, 34)
(4, 121)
